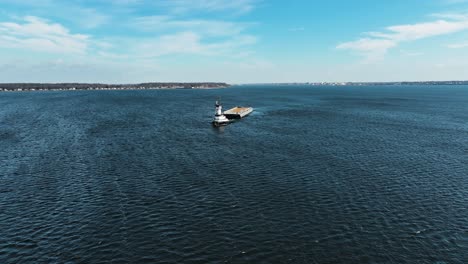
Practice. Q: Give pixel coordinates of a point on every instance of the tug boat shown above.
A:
(220, 119)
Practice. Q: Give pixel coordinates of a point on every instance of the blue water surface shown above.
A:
(315, 175)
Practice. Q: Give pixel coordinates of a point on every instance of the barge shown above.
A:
(238, 112)
(223, 118)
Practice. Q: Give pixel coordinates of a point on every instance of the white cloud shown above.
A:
(192, 36)
(411, 53)
(458, 45)
(41, 35)
(73, 11)
(184, 6)
(451, 16)
(368, 45)
(377, 44)
(189, 43)
(371, 49)
(206, 27)
(53, 49)
(181, 43)
(425, 30)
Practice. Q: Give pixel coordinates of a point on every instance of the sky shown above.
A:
(233, 41)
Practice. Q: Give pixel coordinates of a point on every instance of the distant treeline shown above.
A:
(101, 86)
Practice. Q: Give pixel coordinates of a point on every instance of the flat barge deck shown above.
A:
(238, 112)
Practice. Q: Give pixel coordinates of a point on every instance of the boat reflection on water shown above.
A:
(219, 129)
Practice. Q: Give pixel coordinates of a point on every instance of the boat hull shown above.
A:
(220, 120)
(219, 124)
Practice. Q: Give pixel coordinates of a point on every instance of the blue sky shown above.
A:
(242, 41)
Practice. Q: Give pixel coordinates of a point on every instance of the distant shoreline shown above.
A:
(28, 87)
(367, 83)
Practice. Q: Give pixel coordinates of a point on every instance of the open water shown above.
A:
(314, 175)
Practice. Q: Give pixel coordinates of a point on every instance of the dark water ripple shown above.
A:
(315, 175)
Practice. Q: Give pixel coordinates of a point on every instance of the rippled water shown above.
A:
(314, 175)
